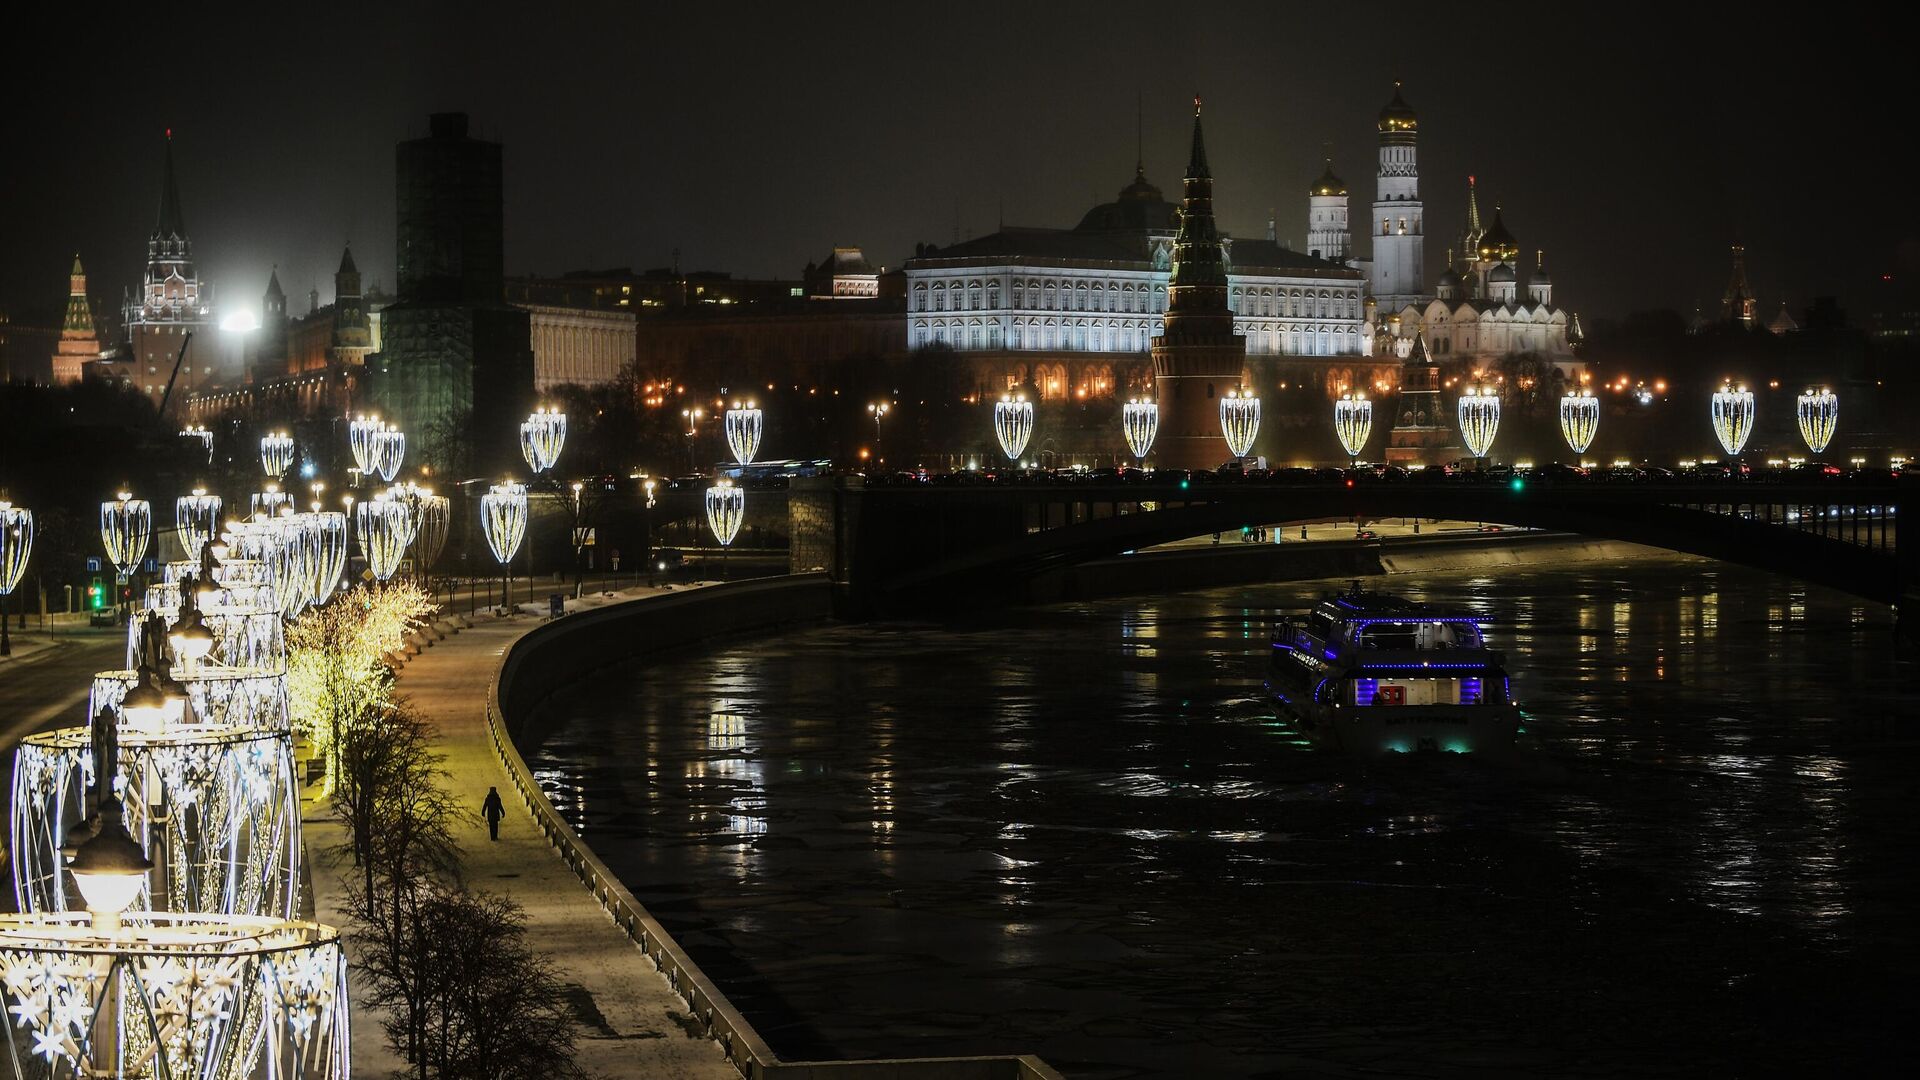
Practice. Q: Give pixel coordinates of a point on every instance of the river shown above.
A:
(1079, 831)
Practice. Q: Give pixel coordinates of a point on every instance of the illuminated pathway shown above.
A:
(632, 1024)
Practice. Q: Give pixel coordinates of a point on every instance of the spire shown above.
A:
(346, 261)
(170, 224)
(1197, 161)
(1474, 231)
(79, 320)
(78, 271)
(1418, 354)
(1139, 136)
(273, 282)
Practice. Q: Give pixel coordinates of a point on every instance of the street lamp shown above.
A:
(1479, 420)
(726, 508)
(1353, 422)
(126, 525)
(196, 520)
(1140, 419)
(360, 440)
(1819, 412)
(878, 410)
(329, 554)
(503, 514)
(16, 544)
(267, 504)
(692, 417)
(743, 424)
(276, 453)
(1733, 417)
(1239, 420)
(542, 434)
(1013, 425)
(386, 528)
(1579, 420)
(388, 448)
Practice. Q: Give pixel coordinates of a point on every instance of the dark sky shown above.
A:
(1630, 146)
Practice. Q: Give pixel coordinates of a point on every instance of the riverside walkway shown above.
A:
(631, 1022)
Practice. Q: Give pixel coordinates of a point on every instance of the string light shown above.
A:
(1819, 413)
(1240, 420)
(276, 453)
(1353, 422)
(1733, 417)
(1140, 419)
(542, 435)
(1479, 419)
(743, 424)
(1579, 420)
(726, 508)
(126, 526)
(1013, 425)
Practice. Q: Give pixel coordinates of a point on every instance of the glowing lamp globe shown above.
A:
(111, 867)
(726, 508)
(126, 525)
(1733, 411)
(1353, 422)
(1479, 419)
(1819, 414)
(1140, 419)
(1579, 420)
(1239, 420)
(542, 435)
(503, 515)
(1013, 425)
(276, 453)
(743, 424)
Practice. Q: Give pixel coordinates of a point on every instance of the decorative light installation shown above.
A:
(542, 435)
(276, 453)
(1579, 420)
(227, 996)
(360, 440)
(503, 516)
(1819, 412)
(196, 520)
(293, 556)
(726, 508)
(1733, 417)
(268, 504)
(126, 524)
(1353, 422)
(1239, 420)
(1013, 425)
(16, 544)
(205, 437)
(432, 517)
(1479, 419)
(329, 554)
(1140, 419)
(387, 448)
(386, 528)
(743, 425)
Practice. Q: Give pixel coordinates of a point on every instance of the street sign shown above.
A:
(583, 537)
(93, 564)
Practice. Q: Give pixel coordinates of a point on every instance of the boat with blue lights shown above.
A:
(1373, 674)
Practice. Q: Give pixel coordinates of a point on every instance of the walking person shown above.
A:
(493, 811)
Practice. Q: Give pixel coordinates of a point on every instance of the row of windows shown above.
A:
(976, 335)
(1080, 296)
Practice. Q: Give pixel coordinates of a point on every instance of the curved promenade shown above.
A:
(646, 1009)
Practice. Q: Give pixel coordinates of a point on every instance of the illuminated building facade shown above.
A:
(172, 304)
(578, 346)
(1074, 312)
(79, 343)
(1399, 245)
(1423, 426)
(845, 274)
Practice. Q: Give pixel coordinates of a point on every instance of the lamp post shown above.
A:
(16, 544)
(1353, 422)
(1819, 414)
(276, 454)
(503, 514)
(1013, 425)
(1479, 411)
(878, 410)
(1140, 420)
(743, 426)
(726, 507)
(196, 520)
(692, 417)
(126, 526)
(646, 530)
(1240, 420)
(388, 447)
(579, 541)
(542, 435)
(1733, 411)
(1579, 420)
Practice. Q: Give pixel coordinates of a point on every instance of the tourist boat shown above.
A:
(1377, 674)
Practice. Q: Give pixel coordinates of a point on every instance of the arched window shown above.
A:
(939, 298)
(1049, 304)
(920, 297)
(973, 297)
(1080, 296)
(993, 296)
(1019, 295)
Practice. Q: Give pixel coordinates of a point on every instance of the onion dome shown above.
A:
(1498, 245)
(1449, 279)
(1502, 274)
(1540, 275)
(1398, 115)
(1329, 184)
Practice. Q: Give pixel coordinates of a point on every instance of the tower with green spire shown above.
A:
(1198, 357)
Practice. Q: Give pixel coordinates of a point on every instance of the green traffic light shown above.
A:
(1519, 483)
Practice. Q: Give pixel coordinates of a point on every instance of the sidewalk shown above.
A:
(632, 1024)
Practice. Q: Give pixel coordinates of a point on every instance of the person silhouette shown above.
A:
(493, 810)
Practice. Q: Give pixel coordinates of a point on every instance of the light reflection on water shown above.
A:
(1080, 832)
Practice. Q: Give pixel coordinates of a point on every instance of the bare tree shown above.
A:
(497, 1011)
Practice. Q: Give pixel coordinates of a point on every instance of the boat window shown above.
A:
(1390, 636)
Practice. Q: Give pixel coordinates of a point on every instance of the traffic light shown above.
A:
(1519, 482)
(96, 595)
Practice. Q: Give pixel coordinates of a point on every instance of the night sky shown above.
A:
(753, 139)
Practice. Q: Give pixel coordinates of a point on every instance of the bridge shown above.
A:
(903, 547)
